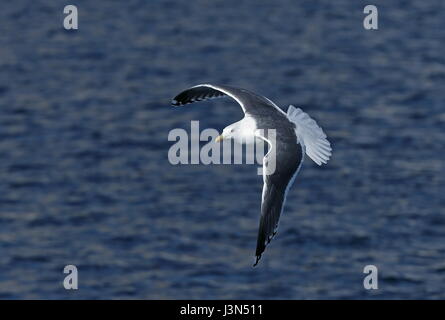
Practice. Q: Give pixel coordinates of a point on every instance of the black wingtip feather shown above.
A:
(195, 94)
(257, 259)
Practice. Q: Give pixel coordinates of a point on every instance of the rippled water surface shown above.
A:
(85, 178)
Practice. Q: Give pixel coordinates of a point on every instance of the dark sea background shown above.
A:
(85, 177)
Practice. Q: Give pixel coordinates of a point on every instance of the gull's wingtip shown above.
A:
(175, 103)
(257, 259)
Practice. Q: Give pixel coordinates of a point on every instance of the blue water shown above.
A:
(85, 178)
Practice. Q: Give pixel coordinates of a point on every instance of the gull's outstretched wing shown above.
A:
(250, 102)
(288, 159)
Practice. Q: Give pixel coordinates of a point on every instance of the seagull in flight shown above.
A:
(296, 134)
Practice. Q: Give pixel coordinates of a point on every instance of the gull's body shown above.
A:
(296, 134)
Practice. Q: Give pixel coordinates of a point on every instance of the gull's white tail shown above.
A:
(310, 135)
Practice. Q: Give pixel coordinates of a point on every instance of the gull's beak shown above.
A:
(219, 138)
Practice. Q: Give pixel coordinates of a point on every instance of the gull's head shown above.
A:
(229, 132)
(242, 131)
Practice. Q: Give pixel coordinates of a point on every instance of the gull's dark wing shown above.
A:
(250, 102)
(288, 158)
